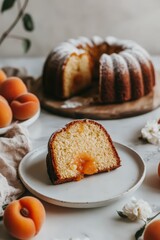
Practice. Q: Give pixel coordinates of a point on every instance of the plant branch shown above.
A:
(19, 5)
(20, 14)
(150, 219)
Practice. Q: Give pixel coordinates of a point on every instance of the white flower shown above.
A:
(151, 132)
(137, 210)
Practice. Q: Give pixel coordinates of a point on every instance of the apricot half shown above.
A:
(23, 218)
(25, 106)
(12, 88)
(5, 113)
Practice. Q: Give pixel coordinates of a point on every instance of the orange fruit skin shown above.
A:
(25, 106)
(5, 113)
(3, 76)
(24, 227)
(12, 88)
(152, 231)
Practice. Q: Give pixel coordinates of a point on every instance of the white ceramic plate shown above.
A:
(25, 123)
(93, 191)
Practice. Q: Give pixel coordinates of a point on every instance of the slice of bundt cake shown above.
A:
(82, 147)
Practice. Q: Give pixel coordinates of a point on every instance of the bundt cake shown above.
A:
(82, 147)
(123, 69)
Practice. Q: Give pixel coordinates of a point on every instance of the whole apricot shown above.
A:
(152, 231)
(5, 113)
(23, 218)
(12, 88)
(3, 76)
(25, 106)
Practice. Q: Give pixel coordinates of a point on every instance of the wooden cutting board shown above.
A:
(86, 106)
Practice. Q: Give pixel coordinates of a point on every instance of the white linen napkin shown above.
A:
(14, 145)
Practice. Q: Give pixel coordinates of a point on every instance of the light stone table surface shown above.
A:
(97, 223)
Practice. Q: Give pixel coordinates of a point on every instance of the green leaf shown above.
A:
(26, 44)
(7, 4)
(28, 22)
(4, 206)
(140, 232)
(121, 214)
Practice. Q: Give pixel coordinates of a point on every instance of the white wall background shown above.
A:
(58, 20)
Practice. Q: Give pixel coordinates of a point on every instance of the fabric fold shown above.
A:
(14, 145)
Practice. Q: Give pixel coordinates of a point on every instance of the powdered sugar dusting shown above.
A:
(85, 41)
(81, 42)
(120, 64)
(125, 44)
(111, 40)
(139, 56)
(132, 61)
(71, 104)
(78, 101)
(106, 62)
(79, 45)
(97, 40)
(65, 49)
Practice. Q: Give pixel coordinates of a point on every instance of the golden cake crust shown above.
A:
(85, 154)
